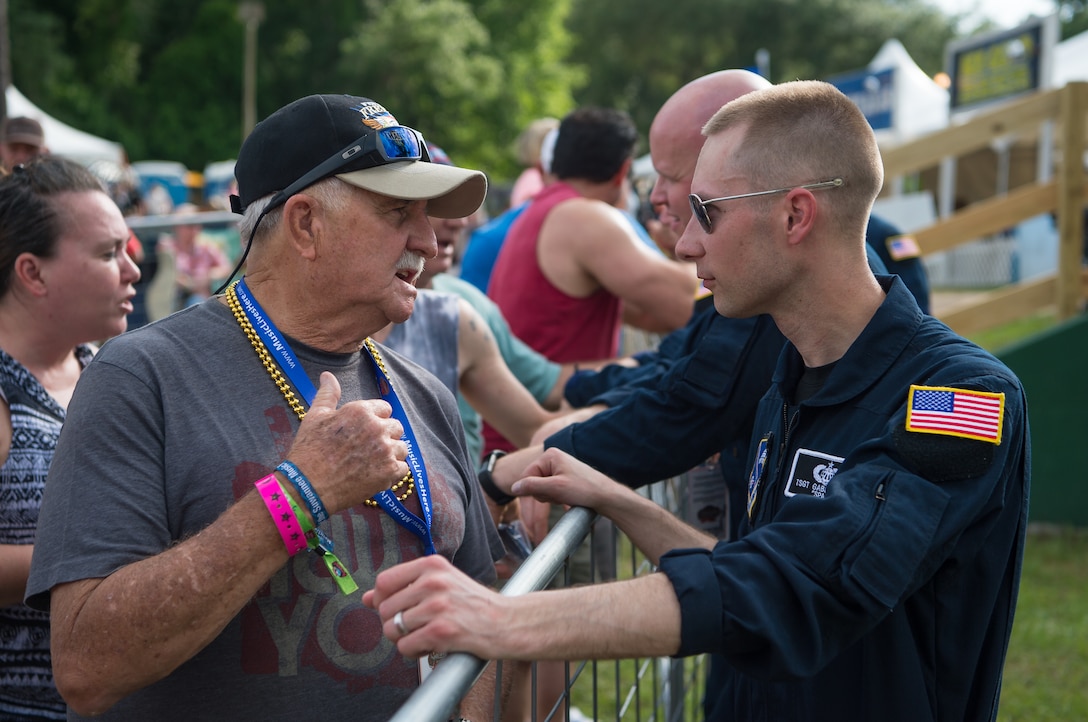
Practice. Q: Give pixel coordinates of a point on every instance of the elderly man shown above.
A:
(877, 570)
(200, 461)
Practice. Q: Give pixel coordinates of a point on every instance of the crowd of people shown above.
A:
(288, 492)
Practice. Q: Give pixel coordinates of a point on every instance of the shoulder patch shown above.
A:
(955, 412)
(900, 248)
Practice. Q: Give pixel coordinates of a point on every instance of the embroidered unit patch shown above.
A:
(756, 475)
(955, 412)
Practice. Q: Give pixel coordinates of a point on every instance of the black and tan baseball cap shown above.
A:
(360, 142)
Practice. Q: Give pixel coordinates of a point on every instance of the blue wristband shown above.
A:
(305, 490)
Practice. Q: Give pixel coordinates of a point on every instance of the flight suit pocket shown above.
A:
(903, 534)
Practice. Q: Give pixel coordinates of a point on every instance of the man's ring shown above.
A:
(398, 622)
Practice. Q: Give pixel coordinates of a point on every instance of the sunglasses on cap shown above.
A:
(378, 147)
(698, 205)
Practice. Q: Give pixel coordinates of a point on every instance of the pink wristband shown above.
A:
(280, 509)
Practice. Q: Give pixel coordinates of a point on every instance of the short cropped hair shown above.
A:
(593, 144)
(29, 211)
(806, 131)
(332, 192)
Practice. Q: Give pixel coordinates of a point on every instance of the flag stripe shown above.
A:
(917, 423)
(965, 418)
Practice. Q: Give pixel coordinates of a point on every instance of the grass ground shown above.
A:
(1046, 671)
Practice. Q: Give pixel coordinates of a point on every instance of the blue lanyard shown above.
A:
(276, 344)
(289, 364)
(387, 499)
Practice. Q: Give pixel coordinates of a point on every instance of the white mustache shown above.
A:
(410, 261)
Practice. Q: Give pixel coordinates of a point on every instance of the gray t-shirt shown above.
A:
(172, 423)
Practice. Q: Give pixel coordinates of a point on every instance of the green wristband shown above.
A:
(318, 542)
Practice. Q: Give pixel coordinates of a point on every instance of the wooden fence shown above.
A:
(1065, 196)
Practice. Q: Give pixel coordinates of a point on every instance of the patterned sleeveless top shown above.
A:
(26, 674)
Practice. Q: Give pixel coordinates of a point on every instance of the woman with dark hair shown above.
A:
(66, 281)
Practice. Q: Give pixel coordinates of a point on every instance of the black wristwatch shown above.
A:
(487, 482)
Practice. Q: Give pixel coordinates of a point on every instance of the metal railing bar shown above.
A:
(165, 222)
(438, 696)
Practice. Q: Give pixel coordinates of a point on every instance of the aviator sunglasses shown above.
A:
(698, 205)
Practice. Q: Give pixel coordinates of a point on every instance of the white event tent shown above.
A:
(63, 139)
(1070, 60)
(920, 106)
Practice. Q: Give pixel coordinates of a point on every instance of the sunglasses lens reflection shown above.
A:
(699, 211)
(399, 143)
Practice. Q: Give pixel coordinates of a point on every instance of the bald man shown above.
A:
(673, 400)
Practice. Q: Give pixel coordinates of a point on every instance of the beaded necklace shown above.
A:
(285, 387)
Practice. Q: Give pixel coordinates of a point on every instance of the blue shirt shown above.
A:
(695, 397)
(484, 244)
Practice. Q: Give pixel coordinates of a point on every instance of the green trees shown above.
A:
(640, 51)
(165, 78)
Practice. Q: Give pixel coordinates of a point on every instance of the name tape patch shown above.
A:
(811, 473)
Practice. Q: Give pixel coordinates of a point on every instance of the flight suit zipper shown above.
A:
(788, 424)
(773, 484)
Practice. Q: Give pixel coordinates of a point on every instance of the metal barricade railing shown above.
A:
(642, 690)
(164, 223)
(437, 698)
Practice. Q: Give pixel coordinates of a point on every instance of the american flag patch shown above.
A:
(900, 247)
(956, 412)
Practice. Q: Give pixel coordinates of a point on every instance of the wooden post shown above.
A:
(5, 60)
(1073, 115)
(251, 13)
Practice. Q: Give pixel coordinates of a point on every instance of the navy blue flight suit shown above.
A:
(876, 573)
